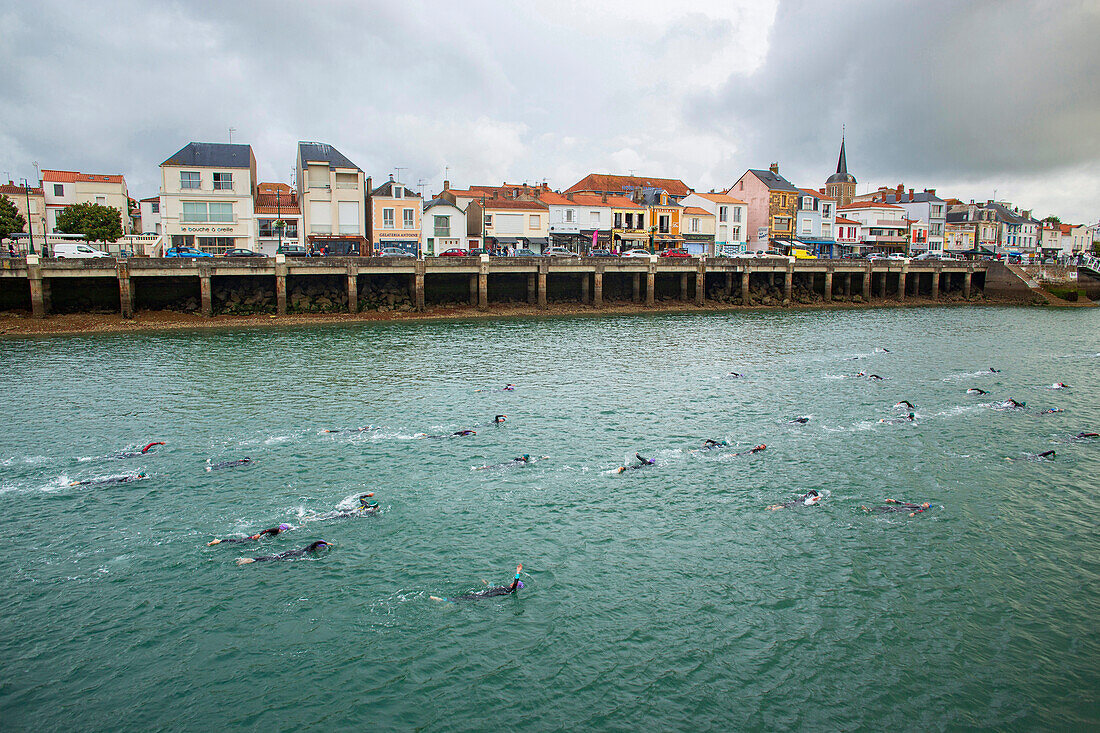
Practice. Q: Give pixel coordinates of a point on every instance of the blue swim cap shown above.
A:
(284, 527)
(520, 584)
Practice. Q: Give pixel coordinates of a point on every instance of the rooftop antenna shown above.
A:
(400, 168)
(231, 131)
(446, 173)
(631, 172)
(420, 184)
(37, 173)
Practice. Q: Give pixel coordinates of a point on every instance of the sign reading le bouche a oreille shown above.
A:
(212, 230)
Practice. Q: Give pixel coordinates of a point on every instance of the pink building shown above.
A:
(771, 201)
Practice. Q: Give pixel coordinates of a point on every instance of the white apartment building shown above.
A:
(206, 197)
(730, 215)
(443, 227)
(150, 215)
(65, 188)
(332, 194)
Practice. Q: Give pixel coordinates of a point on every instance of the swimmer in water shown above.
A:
(270, 532)
(975, 390)
(994, 371)
(509, 388)
(1059, 385)
(710, 444)
(874, 377)
(456, 433)
(1011, 405)
(642, 463)
(750, 451)
(882, 350)
(492, 592)
(499, 419)
(799, 421)
(810, 498)
(911, 417)
(307, 550)
(1086, 436)
(143, 451)
(1051, 410)
(111, 480)
(736, 375)
(904, 403)
(229, 464)
(899, 506)
(518, 461)
(344, 431)
(1036, 456)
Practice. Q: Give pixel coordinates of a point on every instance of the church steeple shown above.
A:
(842, 184)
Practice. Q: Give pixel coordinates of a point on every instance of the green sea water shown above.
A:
(664, 598)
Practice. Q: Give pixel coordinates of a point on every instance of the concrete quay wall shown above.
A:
(352, 283)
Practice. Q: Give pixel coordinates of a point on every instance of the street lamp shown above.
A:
(30, 225)
(279, 221)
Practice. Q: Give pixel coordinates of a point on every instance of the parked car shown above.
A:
(525, 253)
(476, 252)
(801, 254)
(395, 252)
(635, 253)
(897, 257)
(242, 253)
(185, 252)
(77, 251)
(674, 252)
(453, 252)
(599, 253)
(293, 250)
(560, 252)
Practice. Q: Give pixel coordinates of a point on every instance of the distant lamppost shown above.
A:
(30, 226)
(279, 223)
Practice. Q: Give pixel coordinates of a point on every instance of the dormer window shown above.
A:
(397, 191)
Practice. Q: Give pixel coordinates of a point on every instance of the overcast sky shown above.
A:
(963, 97)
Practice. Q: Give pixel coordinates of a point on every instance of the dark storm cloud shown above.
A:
(928, 90)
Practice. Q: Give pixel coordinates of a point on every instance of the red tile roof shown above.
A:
(608, 182)
(1066, 228)
(73, 176)
(151, 198)
(842, 220)
(491, 203)
(817, 194)
(283, 188)
(696, 210)
(268, 203)
(720, 198)
(11, 188)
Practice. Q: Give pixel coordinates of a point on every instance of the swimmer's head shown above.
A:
(525, 457)
(926, 504)
(760, 447)
(284, 527)
(500, 418)
(812, 492)
(519, 584)
(318, 545)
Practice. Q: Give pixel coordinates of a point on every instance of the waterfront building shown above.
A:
(958, 237)
(443, 227)
(206, 197)
(579, 221)
(841, 186)
(1050, 239)
(849, 233)
(510, 222)
(729, 217)
(35, 217)
(983, 222)
(771, 203)
(1076, 239)
(924, 206)
(815, 219)
(1019, 233)
(394, 213)
(65, 188)
(884, 229)
(629, 224)
(918, 236)
(150, 215)
(332, 195)
(605, 183)
(698, 225)
(664, 218)
(277, 202)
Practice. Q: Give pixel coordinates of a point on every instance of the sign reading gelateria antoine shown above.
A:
(206, 229)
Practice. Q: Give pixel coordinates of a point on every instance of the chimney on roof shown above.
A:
(899, 191)
(774, 168)
(930, 191)
(391, 178)
(446, 185)
(910, 194)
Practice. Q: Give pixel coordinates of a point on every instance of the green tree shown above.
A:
(96, 222)
(1052, 220)
(10, 218)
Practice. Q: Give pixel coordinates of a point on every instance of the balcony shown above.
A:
(193, 219)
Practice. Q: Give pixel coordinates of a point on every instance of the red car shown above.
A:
(454, 252)
(675, 253)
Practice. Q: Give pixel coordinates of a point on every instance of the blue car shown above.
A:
(185, 252)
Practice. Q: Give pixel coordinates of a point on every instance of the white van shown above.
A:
(76, 250)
